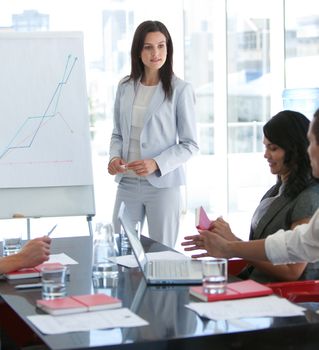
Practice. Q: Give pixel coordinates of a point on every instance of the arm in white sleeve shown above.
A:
(300, 244)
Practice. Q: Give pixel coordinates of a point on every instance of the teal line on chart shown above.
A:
(50, 111)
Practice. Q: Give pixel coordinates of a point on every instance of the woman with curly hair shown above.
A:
(290, 202)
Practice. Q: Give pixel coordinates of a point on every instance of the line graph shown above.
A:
(27, 132)
(45, 133)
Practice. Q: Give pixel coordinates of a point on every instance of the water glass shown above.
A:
(12, 244)
(53, 280)
(214, 275)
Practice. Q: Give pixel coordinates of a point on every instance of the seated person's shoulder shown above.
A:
(312, 189)
(309, 197)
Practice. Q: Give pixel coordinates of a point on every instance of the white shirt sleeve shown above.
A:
(300, 244)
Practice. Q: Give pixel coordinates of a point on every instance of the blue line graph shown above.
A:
(29, 129)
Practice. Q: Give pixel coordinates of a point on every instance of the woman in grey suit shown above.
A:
(290, 202)
(154, 134)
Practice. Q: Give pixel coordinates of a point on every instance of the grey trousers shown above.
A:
(160, 206)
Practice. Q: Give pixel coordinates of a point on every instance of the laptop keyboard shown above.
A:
(166, 269)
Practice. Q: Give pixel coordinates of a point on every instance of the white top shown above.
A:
(142, 99)
(300, 244)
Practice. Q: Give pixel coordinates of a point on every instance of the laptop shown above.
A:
(186, 271)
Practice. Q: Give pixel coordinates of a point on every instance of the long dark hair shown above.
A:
(137, 66)
(288, 130)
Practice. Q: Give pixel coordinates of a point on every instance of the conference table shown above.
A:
(171, 324)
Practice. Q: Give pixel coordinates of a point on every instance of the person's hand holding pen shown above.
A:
(37, 250)
(33, 253)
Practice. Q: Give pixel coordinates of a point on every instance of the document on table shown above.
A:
(85, 321)
(269, 306)
(61, 258)
(130, 260)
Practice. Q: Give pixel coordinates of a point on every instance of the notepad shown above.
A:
(234, 290)
(29, 272)
(79, 303)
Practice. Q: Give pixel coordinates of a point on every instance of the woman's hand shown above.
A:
(36, 251)
(33, 253)
(212, 243)
(116, 165)
(143, 167)
(222, 228)
(194, 242)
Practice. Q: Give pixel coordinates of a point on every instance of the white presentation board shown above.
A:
(45, 151)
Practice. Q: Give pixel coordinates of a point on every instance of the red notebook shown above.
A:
(234, 290)
(78, 303)
(29, 272)
(201, 219)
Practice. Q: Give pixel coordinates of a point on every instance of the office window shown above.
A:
(249, 81)
(302, 54)
(234, 55)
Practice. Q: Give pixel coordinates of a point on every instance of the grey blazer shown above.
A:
(169, 133)
(281, 214)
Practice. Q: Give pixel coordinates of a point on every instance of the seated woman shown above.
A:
(290, 202)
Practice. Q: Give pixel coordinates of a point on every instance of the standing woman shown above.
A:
(154, 134)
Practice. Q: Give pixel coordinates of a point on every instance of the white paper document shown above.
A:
(61, 258)
(86, 321)
(269, 306)
(130, 260)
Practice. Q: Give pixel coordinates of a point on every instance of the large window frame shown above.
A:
(214, 179)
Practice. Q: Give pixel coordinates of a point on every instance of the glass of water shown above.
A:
(53, 278)
(214, 275)
(12, 244)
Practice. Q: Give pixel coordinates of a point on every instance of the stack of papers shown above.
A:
(86, 321)
(270, 306)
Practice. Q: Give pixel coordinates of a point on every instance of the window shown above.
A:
(234, 54)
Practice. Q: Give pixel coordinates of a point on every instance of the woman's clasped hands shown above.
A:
(143, 167)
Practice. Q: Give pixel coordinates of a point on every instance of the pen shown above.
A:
(52, 229)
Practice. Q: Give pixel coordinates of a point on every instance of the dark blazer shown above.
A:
(280, 215)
